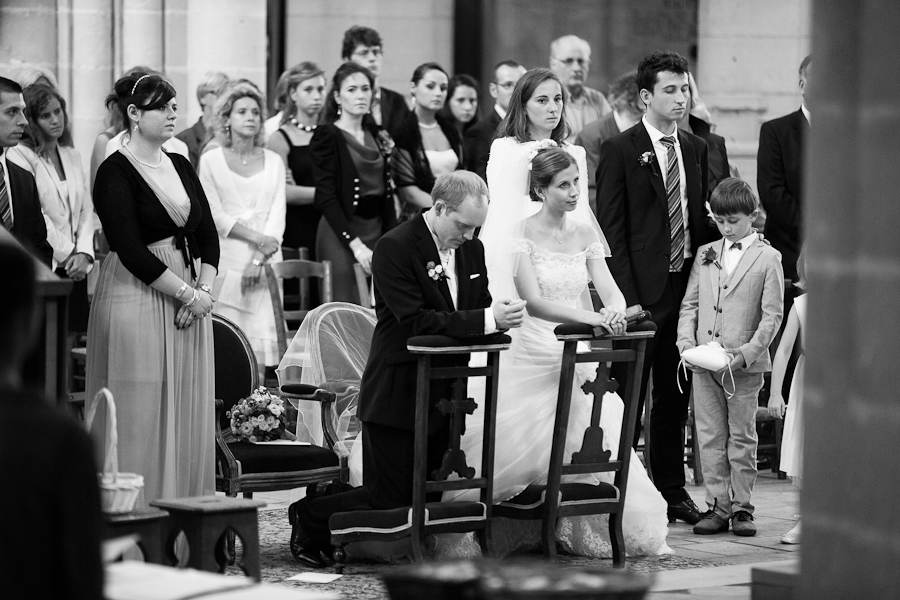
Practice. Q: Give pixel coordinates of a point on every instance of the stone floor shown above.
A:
(715, 566)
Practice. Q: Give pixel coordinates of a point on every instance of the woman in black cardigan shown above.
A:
(354, 183)
(428, 144)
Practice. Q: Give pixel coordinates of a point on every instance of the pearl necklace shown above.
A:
(156, 166)
(306, 128)
(242, 159)
(424, 126)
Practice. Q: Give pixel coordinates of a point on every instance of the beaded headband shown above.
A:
(140, 79)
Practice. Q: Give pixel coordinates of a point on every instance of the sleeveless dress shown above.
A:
(302, 221)
(792, 439)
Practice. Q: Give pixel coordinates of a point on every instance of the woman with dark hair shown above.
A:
(353, 177)
(304, 99)
(461, 108)
(548, 259)
(48, 154)
(148, 339)
(245, 184)
(428, 145)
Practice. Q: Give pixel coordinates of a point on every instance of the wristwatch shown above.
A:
(257, 263)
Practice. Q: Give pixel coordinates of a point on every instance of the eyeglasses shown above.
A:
(506, 85)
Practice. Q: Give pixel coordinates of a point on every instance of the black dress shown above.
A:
(301, 221)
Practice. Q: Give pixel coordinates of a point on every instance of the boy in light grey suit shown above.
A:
(735, 296)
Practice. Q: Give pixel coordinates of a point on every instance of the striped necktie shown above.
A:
(676, 216)
(5, 208)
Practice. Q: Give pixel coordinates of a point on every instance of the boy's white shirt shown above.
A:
(732, 256)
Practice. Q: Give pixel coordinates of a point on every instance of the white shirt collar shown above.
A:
(805, 112)
(744, 241)
(437, 242)
(500, 111)
(656, 134)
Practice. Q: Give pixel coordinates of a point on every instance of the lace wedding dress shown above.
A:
(526, 410)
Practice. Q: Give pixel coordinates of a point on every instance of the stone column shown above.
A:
(748, 57)
(851, 543)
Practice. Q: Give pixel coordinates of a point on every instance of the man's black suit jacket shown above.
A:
(779, 178)
(393, 110)
(632, 208)
(409, 303)
(28, 220)
(477, 143)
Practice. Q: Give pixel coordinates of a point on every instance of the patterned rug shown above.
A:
(362, 579)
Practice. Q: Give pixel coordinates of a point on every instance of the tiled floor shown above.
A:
(777, 505)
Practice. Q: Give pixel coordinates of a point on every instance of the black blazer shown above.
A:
(393, 110)
(337, 181)
(414, 168)
(28, 220)
(477, 143)
(195, 137)
(779, 178)
(719, 168)
(590, 138)
(632, 208)
(409, 303)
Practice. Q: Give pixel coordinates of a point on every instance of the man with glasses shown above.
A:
(570, 59)
(477, 144)
(362, 45)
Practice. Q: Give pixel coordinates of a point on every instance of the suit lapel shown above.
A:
(715, 272)
(642, 144)
(750, 256)
(428, 250)
(691, 173)
(462, 277)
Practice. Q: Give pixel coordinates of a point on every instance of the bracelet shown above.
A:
(181, 290)
(195, 299)
(205, 288)
(256, 262)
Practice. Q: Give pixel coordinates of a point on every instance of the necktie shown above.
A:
(735, 246)
(5, 208)
(676, 217)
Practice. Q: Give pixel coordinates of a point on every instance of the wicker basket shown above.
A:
(118, 491)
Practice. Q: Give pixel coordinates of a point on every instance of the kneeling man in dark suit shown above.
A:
(430, 279)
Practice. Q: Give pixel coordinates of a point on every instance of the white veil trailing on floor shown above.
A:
(330, 351)
(509, 178)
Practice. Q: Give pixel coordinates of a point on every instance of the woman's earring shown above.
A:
(339, 109)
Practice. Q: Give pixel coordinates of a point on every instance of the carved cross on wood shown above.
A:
(454, 458)
(592, 445)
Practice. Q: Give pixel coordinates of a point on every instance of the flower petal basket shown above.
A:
(118, 491)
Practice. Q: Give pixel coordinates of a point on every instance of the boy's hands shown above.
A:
(737, 362)
(776, 405)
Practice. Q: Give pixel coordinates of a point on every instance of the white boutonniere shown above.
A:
(436, 272)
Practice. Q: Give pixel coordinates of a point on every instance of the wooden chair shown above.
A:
(424, 518)
(294, 269)
(362, 284)
(548, 502)
(247, 468)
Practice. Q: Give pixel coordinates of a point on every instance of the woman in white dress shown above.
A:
(543, 244)
(48, 154)
(245, 185)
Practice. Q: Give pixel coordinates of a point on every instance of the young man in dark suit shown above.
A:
(363, 46)
(651, 189)
(413, 298)
(20, 206)
(477, 144)
(779, 165)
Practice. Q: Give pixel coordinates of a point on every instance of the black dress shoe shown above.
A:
(302, 547)
(686, 510)
(309, 557)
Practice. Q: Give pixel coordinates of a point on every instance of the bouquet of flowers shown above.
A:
(259, 418)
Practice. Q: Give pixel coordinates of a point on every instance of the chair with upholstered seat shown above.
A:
(242, 467)
(555, 499)
(423, 518)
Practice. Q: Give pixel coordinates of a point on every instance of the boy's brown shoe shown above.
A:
(711, 522)
(742, 524)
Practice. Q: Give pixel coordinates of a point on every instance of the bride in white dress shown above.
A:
(546, 251)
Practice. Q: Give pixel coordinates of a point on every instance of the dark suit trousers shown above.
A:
(669, 411)
(387, 479)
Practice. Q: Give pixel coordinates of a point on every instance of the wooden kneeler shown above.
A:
(424, 518)
(555, 499)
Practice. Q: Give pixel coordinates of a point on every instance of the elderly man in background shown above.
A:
(477, 145)
(196, 137)
(570, 59)
(627, 111)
